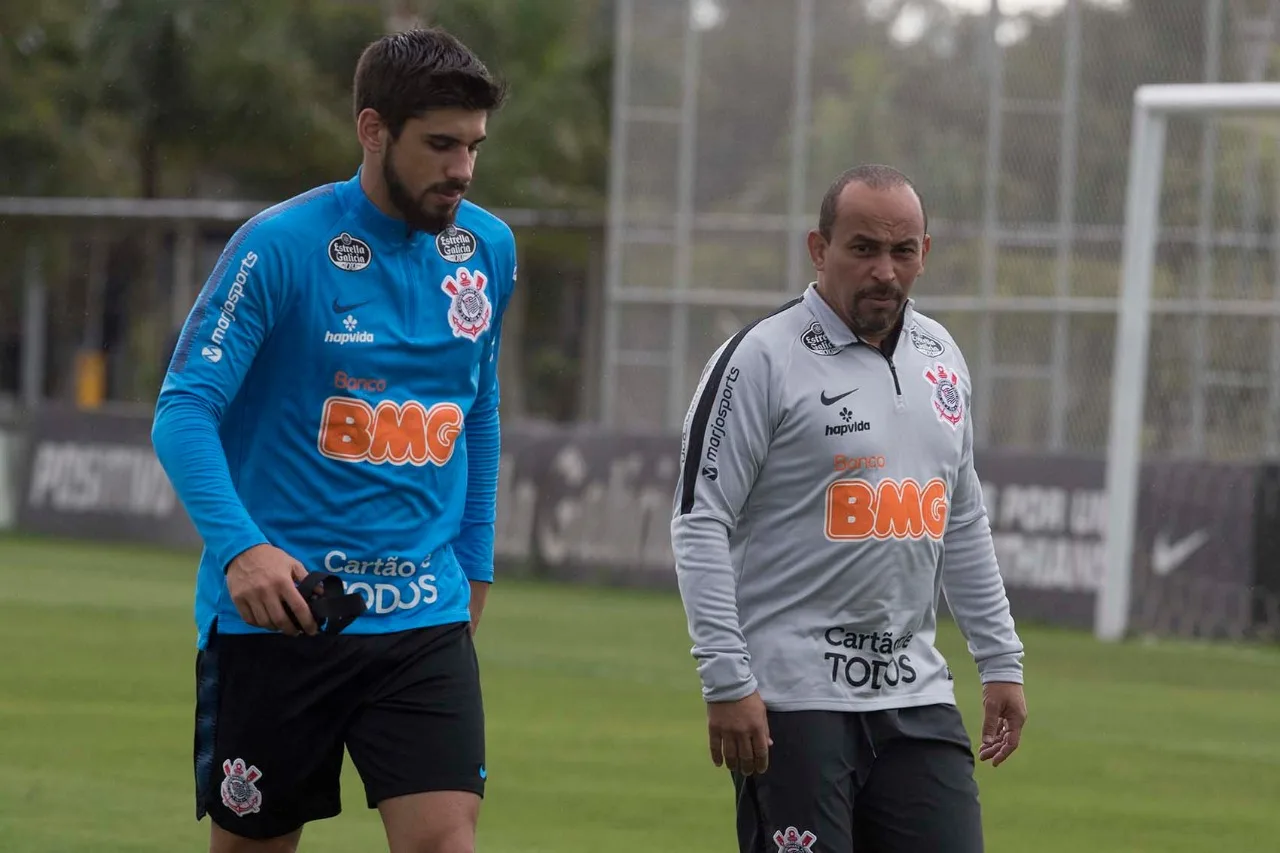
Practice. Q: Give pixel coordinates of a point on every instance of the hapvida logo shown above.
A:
(341, 338)
(837, 430)
(849, 425)
(351, 335)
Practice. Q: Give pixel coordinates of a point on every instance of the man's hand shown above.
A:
(263, 582)
(479, 593)
(740, 734)
(1005, 712)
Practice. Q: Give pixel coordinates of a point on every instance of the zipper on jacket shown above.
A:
(410, 322)
(899, 402)
(893, 370)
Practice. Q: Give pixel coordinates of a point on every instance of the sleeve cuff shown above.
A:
(727, 678)
(484, 575)
(239, 547)
(1006, 668)
(730, 694)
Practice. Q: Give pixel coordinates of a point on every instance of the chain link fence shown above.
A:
(732, 117)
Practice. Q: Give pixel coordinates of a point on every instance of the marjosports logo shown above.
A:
(212, 352)
(718, 424)
(354, 431)
(890, 509)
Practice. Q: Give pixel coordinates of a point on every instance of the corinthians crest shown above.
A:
(948, 402)
(791, 841)
(238, 791)
(470, 310)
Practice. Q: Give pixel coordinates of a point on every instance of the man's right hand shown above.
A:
(263, 582)
(740, 734)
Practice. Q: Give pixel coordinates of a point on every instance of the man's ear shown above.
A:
(369, 130)
(924, 251)
(817, 250)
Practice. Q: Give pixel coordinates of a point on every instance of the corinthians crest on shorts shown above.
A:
(239, 793)
(469, 310)
(792, 841)
(948, 402)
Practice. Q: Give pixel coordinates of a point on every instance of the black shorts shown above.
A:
(274, 713)
(894, 781)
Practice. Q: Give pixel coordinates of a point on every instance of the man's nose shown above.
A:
(460, 167)
(882, 270)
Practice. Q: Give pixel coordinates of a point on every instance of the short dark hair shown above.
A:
(873, 175)
(403, 75)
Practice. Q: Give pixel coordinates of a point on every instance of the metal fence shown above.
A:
(732, 117)
(98, 288)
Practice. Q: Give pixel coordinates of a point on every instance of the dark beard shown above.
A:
(866, 322)
(417, 215)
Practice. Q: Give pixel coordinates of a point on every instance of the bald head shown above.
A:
(871, 175)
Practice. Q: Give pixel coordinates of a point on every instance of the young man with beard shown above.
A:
(827, 494)
(330, 417)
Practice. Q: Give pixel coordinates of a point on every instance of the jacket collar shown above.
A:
(387, 230)
(838, 332)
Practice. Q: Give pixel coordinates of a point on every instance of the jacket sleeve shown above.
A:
(220, 339)
(483, 436)
(725, 439)
(971, 578)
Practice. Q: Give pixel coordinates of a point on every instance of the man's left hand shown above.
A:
(1005, 713)
(479, 593)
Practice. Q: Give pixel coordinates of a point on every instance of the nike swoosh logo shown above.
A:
(342, 309)
(1167, 556)
(827, 401)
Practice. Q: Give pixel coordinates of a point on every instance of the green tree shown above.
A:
(240, 98)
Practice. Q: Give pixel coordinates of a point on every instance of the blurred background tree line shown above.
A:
(250, 99)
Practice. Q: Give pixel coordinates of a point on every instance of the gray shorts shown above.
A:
(878, 782)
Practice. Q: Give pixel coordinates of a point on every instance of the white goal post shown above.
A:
(1152, 106)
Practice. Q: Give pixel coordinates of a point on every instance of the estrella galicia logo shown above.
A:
(816, 340)
(349, 253)
(456, 244)
(925, 343)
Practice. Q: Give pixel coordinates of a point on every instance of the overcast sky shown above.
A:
(1011, 7)
(909, 27)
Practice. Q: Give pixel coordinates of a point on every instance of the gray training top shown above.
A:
(826, 495)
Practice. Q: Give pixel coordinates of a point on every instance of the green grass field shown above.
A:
(596, 737)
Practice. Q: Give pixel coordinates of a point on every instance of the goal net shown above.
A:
(1193, 536)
